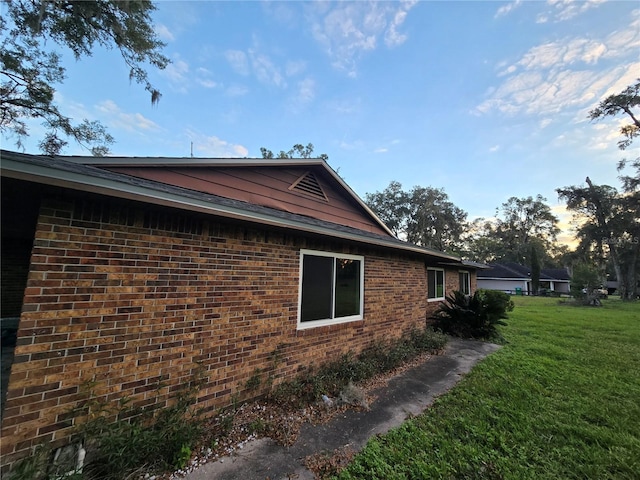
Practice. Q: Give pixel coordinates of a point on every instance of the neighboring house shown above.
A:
(514, 278)
(132, 272)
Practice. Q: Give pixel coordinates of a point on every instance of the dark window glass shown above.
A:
(465, 283)
(317, 287)
(435, 284)
(347, 287)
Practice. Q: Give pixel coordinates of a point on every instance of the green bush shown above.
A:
(585, 283)
(473, 316)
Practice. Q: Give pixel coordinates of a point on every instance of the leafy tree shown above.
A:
(392, 206)
(481, 242)
(624, 103)
(611, 232)
(29, 71)
(522, 222)
(297, 151)
(535, 270)
(621, 103)
(424, 216)
(434, 221)
(611, 227)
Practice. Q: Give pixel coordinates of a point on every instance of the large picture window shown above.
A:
(331, 288)
(435, 284)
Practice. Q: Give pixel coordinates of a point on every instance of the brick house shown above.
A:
(132, 271)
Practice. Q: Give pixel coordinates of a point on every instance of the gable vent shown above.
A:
(308, 184)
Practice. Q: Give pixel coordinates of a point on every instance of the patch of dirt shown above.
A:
(324, 465)
(231, 431)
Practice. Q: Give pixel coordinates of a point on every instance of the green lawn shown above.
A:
(561, 400)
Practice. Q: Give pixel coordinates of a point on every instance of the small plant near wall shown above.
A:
(121, 439)
(333, 379)
(473, 316)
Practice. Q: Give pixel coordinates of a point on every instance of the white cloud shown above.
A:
(164, 33)
(207, 83)
(392, 37)
(203, 78)
(605, 136)
(627, 39)
(263, 67)
(306, 90)
(347, 30)
(176, 72)
(545, 122)
(265, 70)
(303, 94)
(564, 74)
(238, 61)
(115, 117)
(295, 68)
(495, 148)
(237, 90)
(506, 9)
(542, 18)
(346, 106)
(562, 10)
(212, 146)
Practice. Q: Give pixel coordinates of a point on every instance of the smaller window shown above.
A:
(435, 284)
(465, 282)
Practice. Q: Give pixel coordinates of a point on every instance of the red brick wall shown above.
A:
(132, 298)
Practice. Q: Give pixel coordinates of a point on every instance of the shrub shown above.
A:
(330, 379)
(121, 438)
(473, 316)
(584, 285)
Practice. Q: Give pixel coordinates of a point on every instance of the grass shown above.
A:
(561, 400)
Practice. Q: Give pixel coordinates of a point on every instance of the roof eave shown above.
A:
(189, 161)
(49, 175)
(225, 162)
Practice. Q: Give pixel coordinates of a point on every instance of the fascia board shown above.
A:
(52, 176)
(189, 161)
(505, 279)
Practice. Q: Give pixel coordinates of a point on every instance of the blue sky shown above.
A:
(484, 99)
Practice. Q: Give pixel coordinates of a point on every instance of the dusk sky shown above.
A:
(484, 99)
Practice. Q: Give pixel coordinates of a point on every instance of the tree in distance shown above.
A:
(611, 231)
(621, 103)
(624, 103)
(297, 151)
(522, 226)
(424, 216)
(28, 72)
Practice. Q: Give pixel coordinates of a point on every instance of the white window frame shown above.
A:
(468, 274)
(330, 321)
(444, 293)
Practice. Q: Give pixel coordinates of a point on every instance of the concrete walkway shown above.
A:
(406, 395)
